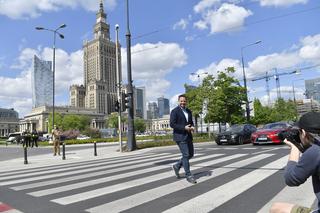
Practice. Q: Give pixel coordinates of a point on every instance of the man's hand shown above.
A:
(189, 128)
(294, 151)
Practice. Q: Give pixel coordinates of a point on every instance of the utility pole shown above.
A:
(131, 143)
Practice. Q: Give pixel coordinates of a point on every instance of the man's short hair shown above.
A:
(182, 96)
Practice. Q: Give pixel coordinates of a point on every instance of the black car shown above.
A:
(236, 134)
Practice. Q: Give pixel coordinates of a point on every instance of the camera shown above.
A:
(292, 135)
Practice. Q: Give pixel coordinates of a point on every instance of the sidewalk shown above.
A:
(86, 154)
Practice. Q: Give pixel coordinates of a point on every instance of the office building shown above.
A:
(140, 102)
(313, 89)
(163, 106)
(41, 83)
(153, 110)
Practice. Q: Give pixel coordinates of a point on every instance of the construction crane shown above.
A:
(276, 76)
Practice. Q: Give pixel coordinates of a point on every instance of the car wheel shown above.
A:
(240, 140)
(218, 143)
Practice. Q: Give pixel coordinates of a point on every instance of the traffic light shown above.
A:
(117, 106)
(124, 101)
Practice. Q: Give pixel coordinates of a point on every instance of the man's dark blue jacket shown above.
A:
(178, 122)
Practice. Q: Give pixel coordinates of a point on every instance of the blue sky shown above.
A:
(170, 40)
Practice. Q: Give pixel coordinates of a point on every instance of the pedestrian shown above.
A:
(23, 138)
(56, 140)
(27, 138)
(301, 166)
(35, 137)
(182, 124)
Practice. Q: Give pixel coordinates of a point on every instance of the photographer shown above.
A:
(302, 166)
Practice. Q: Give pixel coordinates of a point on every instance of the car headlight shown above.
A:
(233, 136)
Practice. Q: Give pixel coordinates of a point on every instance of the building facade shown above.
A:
(153, 111)
(77, 96)
(163, 106)
(41, 83)
(9, 121)
(100, 67)
(39, 117)
(313, 89)
(139, 96)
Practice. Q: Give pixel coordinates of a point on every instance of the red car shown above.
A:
(269, 133)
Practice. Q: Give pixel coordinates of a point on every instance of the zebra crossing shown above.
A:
(145, 182)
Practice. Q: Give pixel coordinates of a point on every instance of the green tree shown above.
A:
(69, 121)
(139, 125)
(262, 114)
(225, 98)
(195, 102)
(281, 111)
(284, 110)
(112, 120)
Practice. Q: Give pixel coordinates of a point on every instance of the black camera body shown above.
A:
(292, 135)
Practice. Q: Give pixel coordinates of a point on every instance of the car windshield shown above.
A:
(235, 128)
(275, 126)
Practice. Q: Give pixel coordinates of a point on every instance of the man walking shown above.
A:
(182, 124)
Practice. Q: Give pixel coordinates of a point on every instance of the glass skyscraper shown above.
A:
(41, 83)
(164, 107)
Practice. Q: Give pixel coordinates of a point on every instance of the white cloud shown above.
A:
(69, 70)
(213, 69)
(311, 47)
(227, 18)
(267, 63)
(182, 24)
(151, 63)
(205, 4)
(174, 101)
(281, 3)
(17, 9)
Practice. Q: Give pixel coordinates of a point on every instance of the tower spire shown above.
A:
(101, 6)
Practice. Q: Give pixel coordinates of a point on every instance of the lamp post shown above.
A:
(131, 142)
(245, 80)
(200, 113)
(118, 87)
(293, 89)
(55, 32)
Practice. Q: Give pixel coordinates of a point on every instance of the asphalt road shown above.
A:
(239, 179)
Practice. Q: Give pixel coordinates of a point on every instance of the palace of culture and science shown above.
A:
(99, 90)
(98, 94)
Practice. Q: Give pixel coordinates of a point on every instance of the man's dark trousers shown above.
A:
(186, 149)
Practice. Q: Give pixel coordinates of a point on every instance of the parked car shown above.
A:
(269, 133)
(83, 137)
(14, 137)
(236, 134)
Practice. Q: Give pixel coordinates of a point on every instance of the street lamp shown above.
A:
(201, 113)
(55, 32)
(118, 87)
(245, 80)
(293, 89)
(131, 141)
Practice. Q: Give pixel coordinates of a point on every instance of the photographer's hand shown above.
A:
(294, 151)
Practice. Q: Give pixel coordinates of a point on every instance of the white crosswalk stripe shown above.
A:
(222, 194)
(123, 204)
(148, 178)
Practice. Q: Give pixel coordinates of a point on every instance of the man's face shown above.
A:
(182, 102)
